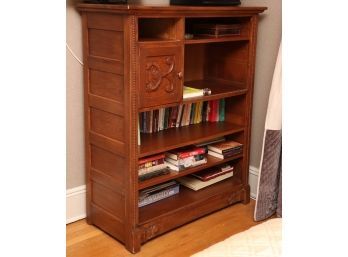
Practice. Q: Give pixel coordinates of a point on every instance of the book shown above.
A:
(192, 92)
(151, 158)
(185, 165)
(186, 160)
(178, 119)
(196, 184)
(192, 114)
(184, 152)
(153, 174)
(187, 120)
(157, 193)
(222, 110)
(151, 169)
(223, 147)
(209, 174)
(225, 155)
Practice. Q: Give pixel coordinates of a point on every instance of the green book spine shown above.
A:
(192, 116)
(165, 123)
(222, 110)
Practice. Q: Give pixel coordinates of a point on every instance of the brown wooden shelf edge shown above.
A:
(204, 40)
(220, 89)
(173, 138)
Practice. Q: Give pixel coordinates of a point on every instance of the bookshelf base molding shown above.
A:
(138, 59)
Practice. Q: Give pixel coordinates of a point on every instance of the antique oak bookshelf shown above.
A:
(136, 59)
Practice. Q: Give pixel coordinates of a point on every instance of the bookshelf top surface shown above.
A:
(132, 8)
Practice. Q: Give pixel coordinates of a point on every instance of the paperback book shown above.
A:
(157, 193)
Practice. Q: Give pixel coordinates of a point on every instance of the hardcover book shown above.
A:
(181, 164)
(151, 158)
(209, 174)
(196, 184)
(224, 147)
(184, 152)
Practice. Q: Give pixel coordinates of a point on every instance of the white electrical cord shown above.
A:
(73, 54)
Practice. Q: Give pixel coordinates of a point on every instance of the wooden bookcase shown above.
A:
(136, 59)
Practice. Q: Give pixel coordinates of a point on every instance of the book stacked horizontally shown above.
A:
(225, 149)
(206, 178)
(184, 158)
(182, 115)
(158, 192)
(152, 166)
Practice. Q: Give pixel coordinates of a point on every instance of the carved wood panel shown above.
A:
(160, 75)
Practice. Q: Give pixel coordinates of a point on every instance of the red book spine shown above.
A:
(214, 175)
(191, 153)
(152, 158)
(214, 111)
(211, 111)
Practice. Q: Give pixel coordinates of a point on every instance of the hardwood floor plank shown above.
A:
(84, 240)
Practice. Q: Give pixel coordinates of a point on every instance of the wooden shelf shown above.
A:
(157, 40)
(211, 161)
(203, 40)
(220, 89)
(187, 197)
(177, 137)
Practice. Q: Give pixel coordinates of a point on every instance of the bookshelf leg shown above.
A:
(246, 194)
(133, 245)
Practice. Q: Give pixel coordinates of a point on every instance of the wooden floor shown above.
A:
(83, 240)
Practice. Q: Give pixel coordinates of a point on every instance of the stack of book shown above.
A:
(152, 166)
(206, 178)
(182, 115)
(184, 158)
(158, 192)
(225, 149)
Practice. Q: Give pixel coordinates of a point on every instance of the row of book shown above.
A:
(182, 115)
(186, 157)
(181, 159)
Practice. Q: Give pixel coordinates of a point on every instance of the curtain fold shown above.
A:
(269, 191)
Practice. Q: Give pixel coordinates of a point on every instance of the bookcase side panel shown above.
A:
(104, 90)
(249, 103)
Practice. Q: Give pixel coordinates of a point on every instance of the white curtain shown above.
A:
(269, 191)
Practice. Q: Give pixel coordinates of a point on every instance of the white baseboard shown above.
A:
(253, 180)
(75, 204)
(76, 197)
